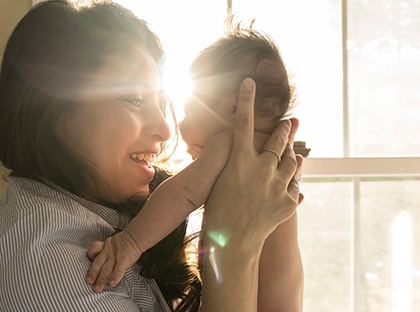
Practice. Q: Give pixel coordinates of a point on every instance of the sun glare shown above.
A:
(177, 85)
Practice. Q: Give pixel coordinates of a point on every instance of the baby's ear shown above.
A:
(260, 138)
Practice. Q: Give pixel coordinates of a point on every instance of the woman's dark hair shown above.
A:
(53, 53)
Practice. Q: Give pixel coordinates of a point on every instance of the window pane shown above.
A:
(390, 228)
(384, 77)
(388, 271)
(308, 33)
(324, 236)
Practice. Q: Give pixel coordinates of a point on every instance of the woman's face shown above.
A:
(118, 125)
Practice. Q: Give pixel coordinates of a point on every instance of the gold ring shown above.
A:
(273, 152)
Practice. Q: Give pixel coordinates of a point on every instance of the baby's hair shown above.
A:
(244, 52)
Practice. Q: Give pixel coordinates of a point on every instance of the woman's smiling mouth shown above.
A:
(146, 158)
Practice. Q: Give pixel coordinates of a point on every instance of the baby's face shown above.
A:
(203, 121)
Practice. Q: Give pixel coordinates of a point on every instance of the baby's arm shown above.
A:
(166, 208)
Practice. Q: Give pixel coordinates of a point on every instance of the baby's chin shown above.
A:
(195, 150)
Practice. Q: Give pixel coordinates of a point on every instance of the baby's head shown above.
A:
(217, 73)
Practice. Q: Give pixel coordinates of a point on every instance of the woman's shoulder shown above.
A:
(43, 259)
(32, 207)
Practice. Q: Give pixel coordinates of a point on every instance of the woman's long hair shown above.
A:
(53, 53)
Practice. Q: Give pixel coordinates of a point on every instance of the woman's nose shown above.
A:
(158, 126)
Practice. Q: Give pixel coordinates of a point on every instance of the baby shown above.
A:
(217, 73)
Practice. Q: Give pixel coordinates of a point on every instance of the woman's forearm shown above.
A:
(281, 271)
(230, 281)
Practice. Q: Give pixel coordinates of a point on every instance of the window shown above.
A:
(356, 66)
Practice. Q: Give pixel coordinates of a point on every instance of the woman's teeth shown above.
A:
(147, 158)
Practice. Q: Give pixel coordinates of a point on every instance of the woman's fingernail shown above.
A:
(247, 84)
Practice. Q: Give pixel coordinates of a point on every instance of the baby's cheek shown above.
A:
(188, 131)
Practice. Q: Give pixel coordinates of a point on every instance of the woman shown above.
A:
(81, 119)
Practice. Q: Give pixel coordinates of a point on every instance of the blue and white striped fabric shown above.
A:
(44, 235)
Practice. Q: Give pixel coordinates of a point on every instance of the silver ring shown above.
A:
(273, 152)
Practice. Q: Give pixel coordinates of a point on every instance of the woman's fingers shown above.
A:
(288, 165)
(299, 160)
(294, 125)
(298, 174)
(244, 121)
(293, 187)
(276, 142)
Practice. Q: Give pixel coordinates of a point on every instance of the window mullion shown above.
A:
(344, 34)
(355, 247)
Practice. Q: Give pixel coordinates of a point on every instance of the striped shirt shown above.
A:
(45, 232)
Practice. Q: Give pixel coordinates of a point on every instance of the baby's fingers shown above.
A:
(103, 271)
(94, 249)
(112, 270)
(95, 269)
(118, 273)
(101, 268)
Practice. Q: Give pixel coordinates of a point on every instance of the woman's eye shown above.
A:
(135, 102)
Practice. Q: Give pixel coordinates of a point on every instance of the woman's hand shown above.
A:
(255, 192)
(253, 195)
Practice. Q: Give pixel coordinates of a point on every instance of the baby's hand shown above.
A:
(111, 259)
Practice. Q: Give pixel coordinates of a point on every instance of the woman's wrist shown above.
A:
(232, 244)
